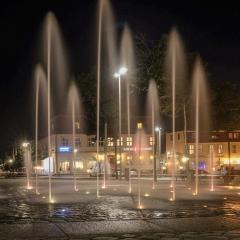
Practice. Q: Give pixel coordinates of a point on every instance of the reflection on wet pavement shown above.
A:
(18, 207)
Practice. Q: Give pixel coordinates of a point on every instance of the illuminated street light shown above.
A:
(25, 144)
(10, 160)
(123, 70)
(185, 159)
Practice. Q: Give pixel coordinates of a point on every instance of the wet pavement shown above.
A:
(22, 207)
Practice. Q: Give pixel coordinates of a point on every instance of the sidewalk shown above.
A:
(186, 228)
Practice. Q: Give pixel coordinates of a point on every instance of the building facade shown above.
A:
(216, 149)
(85, 154)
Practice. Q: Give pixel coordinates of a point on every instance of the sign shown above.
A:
(64, 149)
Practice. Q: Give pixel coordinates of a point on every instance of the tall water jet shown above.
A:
(27, 162)
(54, 60)
(105, 156)
(153, 108)
(105, 25)
(128, 60)
(212, 168)
(40, 81)
(201, 100)
(175, 72)
(138, 156)
(74, 106)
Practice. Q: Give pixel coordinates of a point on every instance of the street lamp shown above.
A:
(10, 160)
(25, 144)
(121, 71)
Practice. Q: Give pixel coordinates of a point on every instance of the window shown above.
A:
(129, 141)
(230, 135)
(214, 137)
(171, 137)
(211, 148)
(77, 142)
(151, 140)
(79, 164)
(110, 142)
(64, 141)
(200, 148)
(179, 136)
(191, 149)
(236, 135)
(220, 149)
(91, 141)
(234, 148)
(119, 141)
(77, 125)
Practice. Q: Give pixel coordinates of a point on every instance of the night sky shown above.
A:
(212, 32)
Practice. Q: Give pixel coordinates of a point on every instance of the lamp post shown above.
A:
(159, 131)
(122, 71)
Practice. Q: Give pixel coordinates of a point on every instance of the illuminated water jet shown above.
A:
(176, 68)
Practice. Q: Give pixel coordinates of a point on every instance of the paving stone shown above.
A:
(164, 234)
(150, 236)
(129, 238)
(128, 235)
(105, 238)
(170, 238)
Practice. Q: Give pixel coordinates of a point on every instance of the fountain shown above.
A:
(153, 104)
(128, 60)
(175, 65)
(105, 156)
(106, 40)
(57, 74)
(27, 162)
(200, 93)
(74, 106)
(40, 81)
(212, 168)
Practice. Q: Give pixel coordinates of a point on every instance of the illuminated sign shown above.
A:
(136, 148)
(64, 149)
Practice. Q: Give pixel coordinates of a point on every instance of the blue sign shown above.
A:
(64, 149)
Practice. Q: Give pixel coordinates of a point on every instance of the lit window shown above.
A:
(234, 148)
(110, 142)
(211, 148)
(64, 141)
(121, 142)
(191, 149)
(230, 135)
(151, 140)
(79, 164)
(220, 149)
(77, 125)
(129, 141)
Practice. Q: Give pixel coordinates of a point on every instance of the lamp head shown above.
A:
(123, 70)
(116, 75)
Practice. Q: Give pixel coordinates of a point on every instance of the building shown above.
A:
(216, 149)
(85, 152)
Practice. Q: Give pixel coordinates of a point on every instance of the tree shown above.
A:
(225, 105)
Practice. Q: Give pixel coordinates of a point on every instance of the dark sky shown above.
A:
(211, 31)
